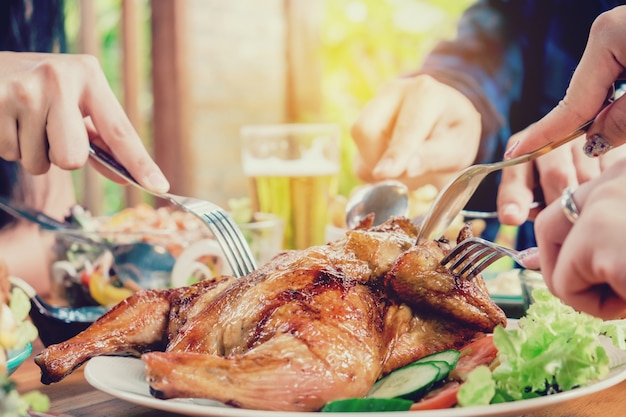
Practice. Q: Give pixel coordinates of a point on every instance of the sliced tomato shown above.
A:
(441, 398)
(481, 351)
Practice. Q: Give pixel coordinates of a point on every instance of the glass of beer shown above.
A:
(293, 171)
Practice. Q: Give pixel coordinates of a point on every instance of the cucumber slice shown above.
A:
(367, 404)
(409, 382)
(449, 356)
(444, 369)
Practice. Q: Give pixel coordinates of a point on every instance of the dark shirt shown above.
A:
(32, 26)
(514, 60)
(27, 26)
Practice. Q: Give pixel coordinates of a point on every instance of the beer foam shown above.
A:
(312, 163)
(284, 168)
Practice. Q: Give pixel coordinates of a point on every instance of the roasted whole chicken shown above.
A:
(306, 328)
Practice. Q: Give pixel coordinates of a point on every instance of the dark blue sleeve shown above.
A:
(486, 62)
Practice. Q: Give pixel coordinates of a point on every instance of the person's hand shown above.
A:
(603, 62)
(583, 263)
(545, 179)
(416, 130)
(52, 105)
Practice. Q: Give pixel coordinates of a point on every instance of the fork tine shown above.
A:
(233, 243)
(238, 241)
(227, 249)
(472, 270)
(448, 261)
(231, 240)
(228, 236)
(245, 259)
(459, 254)
(470, 257)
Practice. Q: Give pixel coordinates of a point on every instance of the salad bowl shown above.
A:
(109, 258)
(56, 324)
(16, 357)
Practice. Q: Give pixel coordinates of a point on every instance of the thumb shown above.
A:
(515, 194)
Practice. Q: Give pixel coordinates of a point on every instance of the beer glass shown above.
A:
(293, 173)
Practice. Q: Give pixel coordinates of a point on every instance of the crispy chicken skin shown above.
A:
(308, 327)
(141, 323)
(422, 283)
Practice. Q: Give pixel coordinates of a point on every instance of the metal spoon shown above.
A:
(391, 198)
(43, 220)
(455, 195)
(384, 199)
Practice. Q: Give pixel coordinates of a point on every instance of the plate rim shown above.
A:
(188, 407)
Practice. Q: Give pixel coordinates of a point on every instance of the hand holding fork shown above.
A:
(228, 235)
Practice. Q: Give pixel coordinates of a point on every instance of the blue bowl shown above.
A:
(17, 357)
(57, 324)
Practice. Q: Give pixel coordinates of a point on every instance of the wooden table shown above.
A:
(76, 398)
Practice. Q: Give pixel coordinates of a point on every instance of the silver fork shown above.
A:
(454, 196)
(473, 255)
(228, 235)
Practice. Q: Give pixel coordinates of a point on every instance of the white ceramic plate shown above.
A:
(124, 378)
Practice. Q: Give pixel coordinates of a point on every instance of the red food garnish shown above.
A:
(480, 351)
(444, 397)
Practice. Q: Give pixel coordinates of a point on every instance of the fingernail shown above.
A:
(596, 145)
(531, 258)
(414, 167)
(157, 182)
(507, 154)
(511, 210)
(528, 252)
(384, 168)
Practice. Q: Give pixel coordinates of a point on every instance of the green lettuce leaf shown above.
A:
(25, 331)
(12, 404)
(478, 389)
(554, 349)
(17, 331)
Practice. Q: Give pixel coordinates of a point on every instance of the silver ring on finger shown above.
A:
(569, 206)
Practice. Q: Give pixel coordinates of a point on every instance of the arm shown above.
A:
(436, 121)
(582, 261)
(484, 62)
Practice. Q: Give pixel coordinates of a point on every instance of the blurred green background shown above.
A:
(359, 54)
